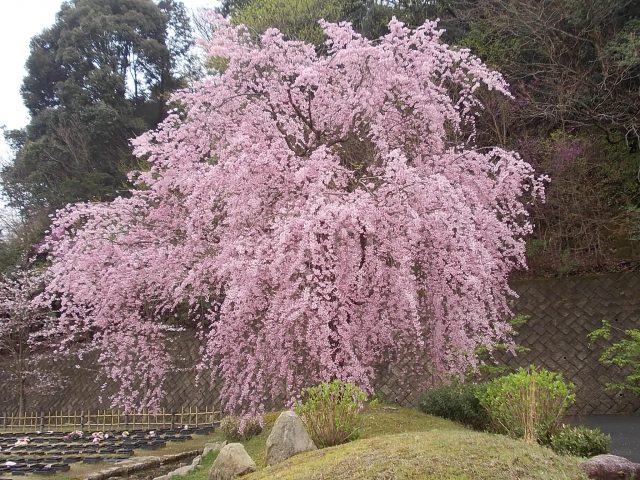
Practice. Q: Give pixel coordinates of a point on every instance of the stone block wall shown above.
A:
(562, 312)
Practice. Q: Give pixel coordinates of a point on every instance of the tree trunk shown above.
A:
(21, 397)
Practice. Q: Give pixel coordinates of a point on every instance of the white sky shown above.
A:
(21, 20)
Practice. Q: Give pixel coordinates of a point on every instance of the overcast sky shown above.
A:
(21, 20)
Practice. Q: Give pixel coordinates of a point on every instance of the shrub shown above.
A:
(580, 441)
(528, 404)
(236, 429)
(331, 412)
(624, 353)
(458, 402)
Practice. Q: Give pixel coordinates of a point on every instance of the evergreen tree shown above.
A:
(96, 78)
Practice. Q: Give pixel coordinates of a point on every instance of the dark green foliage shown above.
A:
(71, 156)
(229, 7)
(89, 52)
(370, 18)
(457, 402)
(581, 442)
(570, 59)
(589, 219)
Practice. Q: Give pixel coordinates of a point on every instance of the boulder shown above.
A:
(287, 438)
(611, 467)
(232, 461)
(213, 447)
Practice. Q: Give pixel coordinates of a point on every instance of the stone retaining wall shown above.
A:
(563, 311)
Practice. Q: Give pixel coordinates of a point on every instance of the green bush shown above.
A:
(528, 404)
(624, 353)
(236, 429)
(458, 402)
(331, 412)
(580, 441)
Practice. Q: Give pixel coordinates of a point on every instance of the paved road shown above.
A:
(624, 431)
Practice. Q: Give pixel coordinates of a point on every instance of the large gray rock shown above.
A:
(611, 467)
(232, 461)
(287, 438)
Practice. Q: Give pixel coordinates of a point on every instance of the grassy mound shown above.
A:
(436, 454)
(401, 443)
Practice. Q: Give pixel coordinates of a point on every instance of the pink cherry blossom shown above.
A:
(333, 206)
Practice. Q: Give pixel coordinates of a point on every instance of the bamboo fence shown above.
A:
(107, 420)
